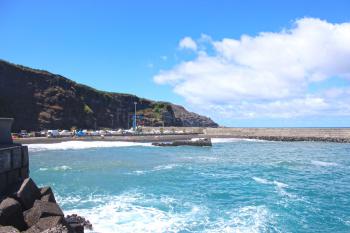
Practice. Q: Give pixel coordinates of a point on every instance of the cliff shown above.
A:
(38, 100)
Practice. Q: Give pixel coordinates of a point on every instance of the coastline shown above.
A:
(338, 135)
(129, 138)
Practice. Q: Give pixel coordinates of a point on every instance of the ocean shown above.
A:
(234, 186)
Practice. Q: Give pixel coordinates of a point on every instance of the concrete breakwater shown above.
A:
(24, 207)
(283, 134)
(14, 165)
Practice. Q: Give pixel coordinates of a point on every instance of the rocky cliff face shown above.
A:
(41, 100)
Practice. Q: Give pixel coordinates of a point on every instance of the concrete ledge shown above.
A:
(284, 134)
(13, 165)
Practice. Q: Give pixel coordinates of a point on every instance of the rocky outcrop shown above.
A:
(23, 206)
(38, 213)
(191, 119)
(37, 99)
(196, 142)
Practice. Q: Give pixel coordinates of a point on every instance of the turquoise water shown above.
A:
(235, 186)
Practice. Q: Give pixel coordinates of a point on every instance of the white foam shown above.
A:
(157, 168)
(247, 219)
(264, 181)
(228, 140)
(79, 145)
(279, 186)
(58, 168)
(135, 213)
(323, 164)
(261, 180)
(165, 167)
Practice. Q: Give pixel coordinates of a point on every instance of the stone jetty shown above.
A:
(192, 142)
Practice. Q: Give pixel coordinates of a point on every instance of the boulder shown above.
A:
(46, 223)
(11, 214)
(77, 228)
(78, 223)
(8, 229)
(28, 193)
(47, 195)
(41, 209)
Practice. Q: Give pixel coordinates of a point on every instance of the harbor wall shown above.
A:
(14, 165)
(287, 134)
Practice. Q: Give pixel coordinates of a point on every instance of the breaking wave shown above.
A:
(227, 140)
(157, 168)
(279, 187)
(58, 168)
(264, 181)
(323, 164)
(79, 145)
(135, 212)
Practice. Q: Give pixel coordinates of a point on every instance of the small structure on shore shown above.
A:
(192, 142)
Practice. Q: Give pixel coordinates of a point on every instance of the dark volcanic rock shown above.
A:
(28, 193)
(41, 100)
(78, 223)
(11, 214)
(191, 119)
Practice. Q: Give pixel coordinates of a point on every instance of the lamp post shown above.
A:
(134, 123)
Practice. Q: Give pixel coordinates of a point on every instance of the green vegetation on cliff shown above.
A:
(38, 99)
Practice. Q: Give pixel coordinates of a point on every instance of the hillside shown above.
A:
(38, 100)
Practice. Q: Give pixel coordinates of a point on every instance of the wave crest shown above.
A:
(79, 145)
(228, 140)
(58, 168)
(323, 164)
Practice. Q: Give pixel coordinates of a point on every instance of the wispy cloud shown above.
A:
(188, 43)
(268, 75)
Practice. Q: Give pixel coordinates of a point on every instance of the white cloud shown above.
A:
(188, 43)
(268, 75)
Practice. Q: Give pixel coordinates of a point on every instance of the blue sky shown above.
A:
(122, 46)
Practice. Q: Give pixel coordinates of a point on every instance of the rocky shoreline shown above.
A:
(29, 209)
(24, 207)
